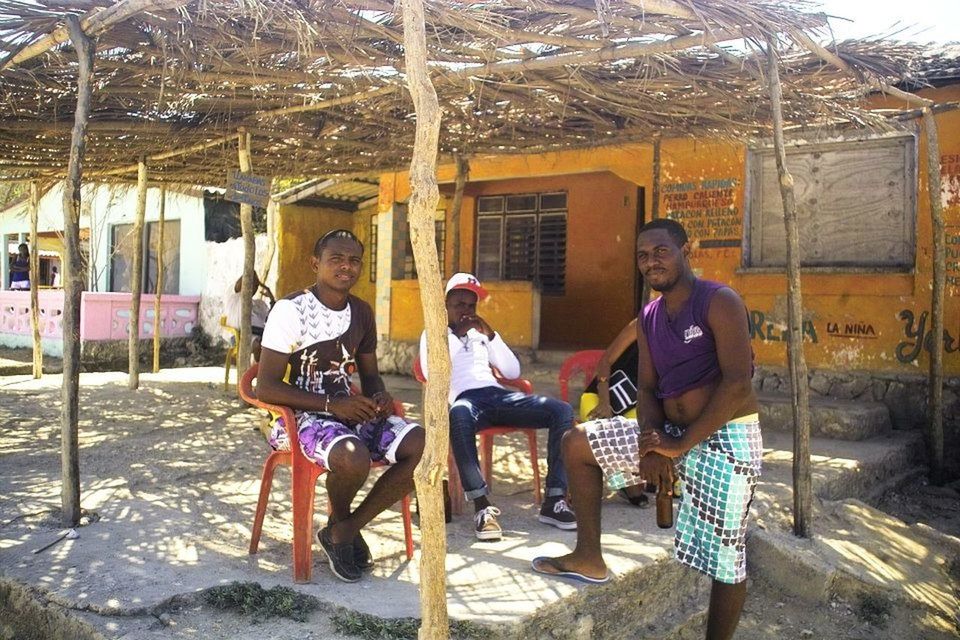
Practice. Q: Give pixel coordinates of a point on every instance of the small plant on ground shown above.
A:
(874, 609)
(249, 598)
(371, 627)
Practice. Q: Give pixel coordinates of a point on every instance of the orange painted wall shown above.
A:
(298, 230)
(600, 278)
(855, 321)
(510, 310)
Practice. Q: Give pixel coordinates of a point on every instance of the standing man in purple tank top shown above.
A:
(697, 410)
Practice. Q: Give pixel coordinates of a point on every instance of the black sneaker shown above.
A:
(340, 557)
(557, 513)
(362, 557)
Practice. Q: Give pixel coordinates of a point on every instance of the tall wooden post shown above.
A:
(424, 195)
(35, 279)
(136, 278)
(463, 173)
(800, 392)
(159, 292)
(272, 207)
(249, 256)
(73, 277)
(935, 399)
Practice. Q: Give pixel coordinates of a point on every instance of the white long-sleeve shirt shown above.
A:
(470, 360)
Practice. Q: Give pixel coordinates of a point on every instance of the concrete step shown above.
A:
(649, 602)
(830, 418)
(843, 468)
(857, 552)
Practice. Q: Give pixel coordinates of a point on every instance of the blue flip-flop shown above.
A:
(563, 573)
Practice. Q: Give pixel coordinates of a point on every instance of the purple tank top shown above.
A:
(683, 350)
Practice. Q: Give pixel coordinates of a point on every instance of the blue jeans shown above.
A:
(492, 406)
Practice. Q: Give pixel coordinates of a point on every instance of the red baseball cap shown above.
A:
(466, 281)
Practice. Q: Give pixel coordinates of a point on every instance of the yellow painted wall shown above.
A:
(298, 230)
(854, 321)
(510, 310)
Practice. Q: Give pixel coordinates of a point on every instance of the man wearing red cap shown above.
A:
(478, 400)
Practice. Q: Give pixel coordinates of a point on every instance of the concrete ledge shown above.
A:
(791, 564)
(25, 613)
(830, 418)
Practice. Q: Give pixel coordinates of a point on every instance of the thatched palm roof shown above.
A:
(320, 84)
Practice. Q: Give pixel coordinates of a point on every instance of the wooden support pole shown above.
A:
(424, 196)
(272, 207)
(159, 292)
(73, 278)
(136, 279)
(800, 392)
(35, 279)
(935, 396)
(463, 174)
(249, 259)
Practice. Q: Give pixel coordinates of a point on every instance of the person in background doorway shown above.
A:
(259, 309)
(20, 269)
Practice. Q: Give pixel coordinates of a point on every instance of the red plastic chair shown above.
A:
(486, 445)
(304, 474)
(584, 362)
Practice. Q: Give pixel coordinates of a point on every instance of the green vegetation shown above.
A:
(874, 609)
(371, 627)
(249, 598)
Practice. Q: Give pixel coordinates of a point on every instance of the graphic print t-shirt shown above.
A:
(323, 343)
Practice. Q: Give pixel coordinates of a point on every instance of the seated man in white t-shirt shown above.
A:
(478, 400)
(314, 341)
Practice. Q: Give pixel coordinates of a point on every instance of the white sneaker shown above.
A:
(486, 525)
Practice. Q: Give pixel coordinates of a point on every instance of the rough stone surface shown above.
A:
(396, 357)
(842, 419)
(790, 563)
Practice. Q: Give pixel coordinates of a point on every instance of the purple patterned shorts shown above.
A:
(319, 433)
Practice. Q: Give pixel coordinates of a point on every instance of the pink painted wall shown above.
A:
(103, 316)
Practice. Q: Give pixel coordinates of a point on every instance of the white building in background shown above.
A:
(200, 260)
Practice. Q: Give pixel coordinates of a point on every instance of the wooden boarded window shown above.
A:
(855, 204)
(523, 237)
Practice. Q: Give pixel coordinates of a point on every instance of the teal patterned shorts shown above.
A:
(719, 478)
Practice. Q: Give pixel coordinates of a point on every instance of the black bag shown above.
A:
(622, 382)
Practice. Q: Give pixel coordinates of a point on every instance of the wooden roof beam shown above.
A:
(93, 23)
(604, 54)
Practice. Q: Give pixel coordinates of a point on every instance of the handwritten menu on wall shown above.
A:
(950, 184)
(706, 209)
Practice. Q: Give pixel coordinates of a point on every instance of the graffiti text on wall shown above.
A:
(918, 336)
(769, 330)
(952, 234)
(855, 330)
(705, 208)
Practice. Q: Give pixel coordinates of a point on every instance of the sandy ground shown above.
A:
(132, 451)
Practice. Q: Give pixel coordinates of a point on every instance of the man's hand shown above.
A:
(602, 410)
(353, 409)
(384, 404)
(658, 441)
(655, 469)
(473, 322)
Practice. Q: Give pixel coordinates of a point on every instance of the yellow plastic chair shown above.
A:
(232, 352)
